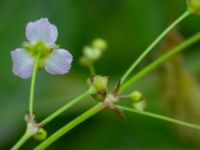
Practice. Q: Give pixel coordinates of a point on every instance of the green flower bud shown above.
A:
(98, 87)
(194, 6)
(99, 83)
(99, 44)
(139, 105)
(96, 53)
(136, 96)
(40, 135)
(92, 54)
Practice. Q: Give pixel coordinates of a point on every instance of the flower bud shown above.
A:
(99, 44)
(136, 96)
(194, 6)
(139, 105)
(40, 135)
(99, 83)
(91, 54)
(98, 87)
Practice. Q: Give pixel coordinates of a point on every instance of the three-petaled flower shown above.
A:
(41, 36)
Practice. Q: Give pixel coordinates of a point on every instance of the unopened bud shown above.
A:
(40, 135)
(99, 44)
(139, 105)
(98, 87)
(92, 54)
(136, 96)
(99, 83)
(194, 6)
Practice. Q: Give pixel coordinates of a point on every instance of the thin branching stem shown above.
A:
(195, 38)
(55, 136)
(22, 140)
(153, 115)
(99, 107)
(153, 44)
(65, 107)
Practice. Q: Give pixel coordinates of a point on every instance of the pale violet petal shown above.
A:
(22, 63)
(59, 62)
(41, 30)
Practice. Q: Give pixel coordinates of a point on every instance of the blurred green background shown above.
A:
(128, 26)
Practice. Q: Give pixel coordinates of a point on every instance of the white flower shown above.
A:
(42, 36)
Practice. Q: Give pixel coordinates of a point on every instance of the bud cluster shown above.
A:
(94, 52)
(138, 100)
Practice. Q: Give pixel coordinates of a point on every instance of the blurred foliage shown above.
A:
(128, 26)
(180, 91)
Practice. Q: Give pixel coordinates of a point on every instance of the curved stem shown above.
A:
(22, 140)
(27, 134)
(160, 60)
(149, 114)
(33, 84)
(65, 107)
(70, 126)
(152, 45)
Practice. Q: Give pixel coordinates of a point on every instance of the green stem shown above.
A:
(149, 114)
(27, 134)
(92, 69)
(160, 60)
(65, 107)
(33, 84)
(22, 140)
(152, 45)
(70, 126)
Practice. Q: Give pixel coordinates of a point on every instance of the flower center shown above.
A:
(39, 48)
